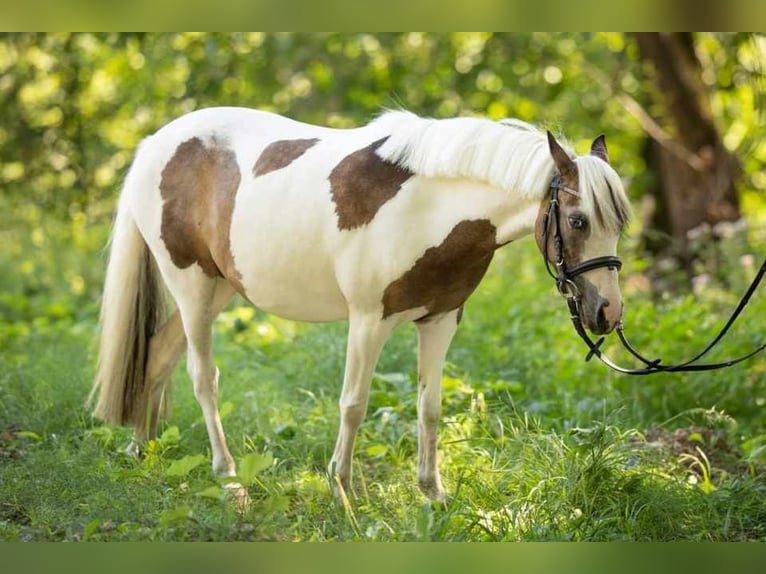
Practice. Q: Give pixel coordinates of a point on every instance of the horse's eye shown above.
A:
(578, 221)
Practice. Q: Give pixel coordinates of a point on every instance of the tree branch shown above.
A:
(658, 134)
(649, 124)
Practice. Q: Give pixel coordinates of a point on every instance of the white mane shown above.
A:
(513, 156)
(607, 203)
(510, 154)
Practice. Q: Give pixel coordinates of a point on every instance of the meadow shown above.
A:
(536, 444)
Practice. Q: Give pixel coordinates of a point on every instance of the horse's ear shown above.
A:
(564, 163)
(598, 148)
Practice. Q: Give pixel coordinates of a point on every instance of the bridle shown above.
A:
(551, 225)
(564, 276)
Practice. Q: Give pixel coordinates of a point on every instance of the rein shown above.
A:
(564, 277)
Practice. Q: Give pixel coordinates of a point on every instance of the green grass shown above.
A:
(535, 443)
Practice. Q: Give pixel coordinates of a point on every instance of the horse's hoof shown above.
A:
(133, 450)
(239, 494)
(433, 490)
(342, 490)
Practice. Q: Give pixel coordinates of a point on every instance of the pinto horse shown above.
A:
(391, 222)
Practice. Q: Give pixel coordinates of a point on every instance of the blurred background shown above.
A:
(536, 443)
(683, 114)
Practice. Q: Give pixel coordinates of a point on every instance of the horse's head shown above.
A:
(577, 229)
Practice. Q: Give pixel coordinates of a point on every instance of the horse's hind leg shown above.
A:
(366, 336)
(198, 308)
(434, 338)
(165, 349)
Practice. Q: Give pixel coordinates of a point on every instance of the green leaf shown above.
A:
(213, 492)
(755, 449)
(252, 464)
(102, 434)
(696, 437)
(171, 436)
(90, 528)
(425, 521)
(183, 466)
(275, 504)
(376, 450)
(30, 435)
(758, 454)
(174, 515)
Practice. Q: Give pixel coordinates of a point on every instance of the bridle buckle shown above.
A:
(568, 288)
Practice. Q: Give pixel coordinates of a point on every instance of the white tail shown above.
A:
(131, 311)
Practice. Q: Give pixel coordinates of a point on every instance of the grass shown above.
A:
(535, 443)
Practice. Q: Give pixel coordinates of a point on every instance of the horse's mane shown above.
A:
(608, 203)
(510, 154)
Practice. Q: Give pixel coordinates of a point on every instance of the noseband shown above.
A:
(565, 273)
(564, 277)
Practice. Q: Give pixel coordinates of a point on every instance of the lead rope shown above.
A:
(567, 287)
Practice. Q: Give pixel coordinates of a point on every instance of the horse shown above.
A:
(391, 222)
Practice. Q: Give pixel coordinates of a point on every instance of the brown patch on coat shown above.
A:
(198, 187)
(445, 275)
(361, 183)
(280, 154)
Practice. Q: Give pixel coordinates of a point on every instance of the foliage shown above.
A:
(76, 105)
(535, 443)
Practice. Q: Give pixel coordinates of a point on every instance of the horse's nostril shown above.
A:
(603, 324)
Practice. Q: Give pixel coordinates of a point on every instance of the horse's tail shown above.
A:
(132, 309)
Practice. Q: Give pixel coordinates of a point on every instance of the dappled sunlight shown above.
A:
(535, 443)
(244, 325)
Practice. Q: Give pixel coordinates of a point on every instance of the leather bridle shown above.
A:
(564, 277)
(551, 225)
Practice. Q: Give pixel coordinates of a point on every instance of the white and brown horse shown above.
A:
(392, 222)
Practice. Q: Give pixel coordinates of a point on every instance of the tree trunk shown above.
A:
(695, 185)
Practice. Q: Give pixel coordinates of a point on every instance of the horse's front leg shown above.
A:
(434, 338)
(366, 337)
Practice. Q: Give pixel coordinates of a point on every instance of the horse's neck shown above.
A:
(512, 214)
(452, 200)
(517, 221)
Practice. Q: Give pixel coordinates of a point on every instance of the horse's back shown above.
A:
(304, 221)
(231, 120)
(244, 194)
